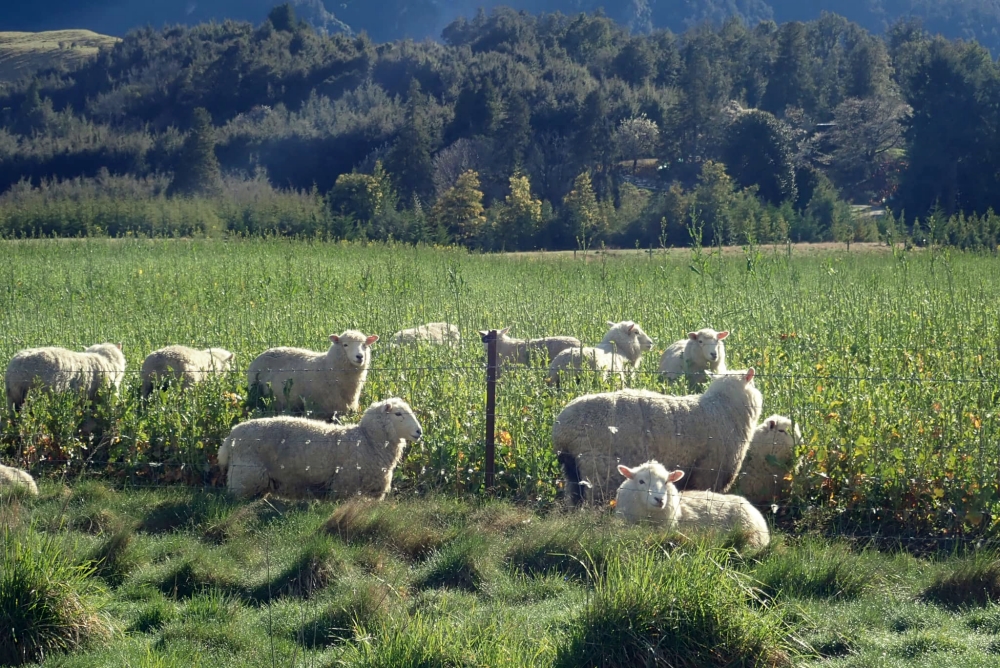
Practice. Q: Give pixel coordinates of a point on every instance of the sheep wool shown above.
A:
(439, 333)
(692, 357)
(181, 362)
(649, 495)
(323, 384)
(10, 477)
(769, 459)
(624, 343)
(706, 435)
(520, 351)
(300, 458)
(62, 370)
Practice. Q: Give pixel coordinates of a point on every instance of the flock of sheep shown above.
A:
(712, 440)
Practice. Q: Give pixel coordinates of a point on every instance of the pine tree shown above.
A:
(197, 170)
(282, 17)
(410, 161)
(460, 209)
(584, 213)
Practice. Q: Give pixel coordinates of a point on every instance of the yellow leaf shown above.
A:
(938, 492)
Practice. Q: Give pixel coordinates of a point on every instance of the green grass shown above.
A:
(24, 53)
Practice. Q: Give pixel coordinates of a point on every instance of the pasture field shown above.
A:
(887, 361)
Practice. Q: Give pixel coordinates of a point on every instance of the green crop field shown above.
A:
(888, 362)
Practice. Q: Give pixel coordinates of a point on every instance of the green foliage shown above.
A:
(974, 581)
(758, 151)
(814, 569)
(197, 169)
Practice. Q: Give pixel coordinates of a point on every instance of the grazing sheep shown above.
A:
(188, 364)
(62, 370)
(649, 495)
(707, 434)
(624, 343)
(298, 457)
(701, 351)
(520, 351)
(323, 383)
(10, 477)
(762, 477)
(433, 332)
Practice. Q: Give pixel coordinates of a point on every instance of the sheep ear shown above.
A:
(750, 375)
(229, 356)
(721, 335)
(482, 334)
(334, 338)
(388, 407)
(611, 324)
(505, 330)
(626, 471)
(693, 336)
(119, 345)
(371, 339)
(674, 476)
(631, 327)
(771, 424)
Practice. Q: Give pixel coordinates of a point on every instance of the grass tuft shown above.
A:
(974, 581)
(359, 610)
(985, 620)
(319, 564)
(415, 530)
(113, 559)
(46, 603)
(919, 643)
(154, 615)
(196, 574)
(465, 563)
(816, 570)
(97, 521)
(560, 545)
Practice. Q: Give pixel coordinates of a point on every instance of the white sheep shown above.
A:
(707, 434)
(323, 383)
(298, 457)
(188, 364)
(11, 477)
(62, 370)
(624, 344)
(649, 495)
(519, 351)
(433, 332)
(769, 459)
(701, 351)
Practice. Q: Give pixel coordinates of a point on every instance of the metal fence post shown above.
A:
(490, 339)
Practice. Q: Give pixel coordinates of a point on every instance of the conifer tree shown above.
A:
(197, 170)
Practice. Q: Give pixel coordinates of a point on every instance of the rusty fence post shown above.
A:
(490, 339)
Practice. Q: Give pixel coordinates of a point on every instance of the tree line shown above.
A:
(519, 131)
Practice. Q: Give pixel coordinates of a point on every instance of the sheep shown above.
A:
(322, 383)
(10, 477)
(625, 342)
(706, 434)
(62, 370)
(188, 364)
(762, 477)
(648, 494)
(701, 351)
(433, 332)
(299, 457)
(520, 351)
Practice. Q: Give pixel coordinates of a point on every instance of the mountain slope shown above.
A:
(22, 53)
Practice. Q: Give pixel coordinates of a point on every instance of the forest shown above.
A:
(515, 131)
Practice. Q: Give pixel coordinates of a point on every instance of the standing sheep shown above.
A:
(706, 434)
(62, 370)
(433, 332)
(624, 343)
(701, 351)
(520, 351)
(649, 495)
(762, 477)
(323, 383)
(11, 477)
(298, 457)
(188, 364)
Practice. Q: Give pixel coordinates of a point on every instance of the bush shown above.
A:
(47, 604)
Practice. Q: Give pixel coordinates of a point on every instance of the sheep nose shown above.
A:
(419, 432)
(360, 357)
(714, 355)
(658, 500)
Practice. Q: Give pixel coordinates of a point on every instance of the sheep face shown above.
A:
(709, 342)
(780, 430)
(223, 358)
(650, 482)
(356, 347)
(635, 332)
(501, 336)
(403, 420)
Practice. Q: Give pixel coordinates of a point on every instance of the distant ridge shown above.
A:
(23, 53)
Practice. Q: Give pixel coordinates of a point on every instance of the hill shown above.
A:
(23, 53)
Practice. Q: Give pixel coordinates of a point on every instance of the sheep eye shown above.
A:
(782, 431)
(642, 482)
(399, 415)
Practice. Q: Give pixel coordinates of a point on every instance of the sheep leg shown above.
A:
(247, 479)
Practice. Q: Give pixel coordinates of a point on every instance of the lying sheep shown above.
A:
(298, 457)
(323, 383)
(701, 351)
(624, 343)
(188, 364)
(762, 477)
(649, 495)
(707, 434)
(520, 351)
(62, 370)
(433, 332)
(11, 477)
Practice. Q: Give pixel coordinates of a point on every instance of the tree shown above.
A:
(460, 209)
(365, 196)
(410, 161)
(282, 17)
(865, 134)
(197, 169)
(790, 83)
(636, 137)
(35, 113)
(584, 214)
(518, 217)
(758, 152)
